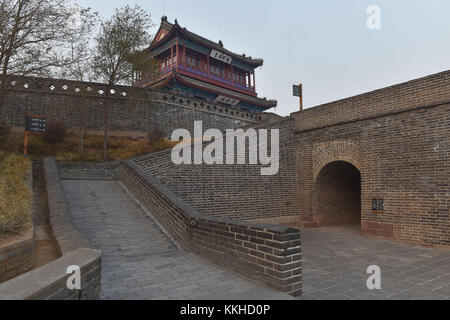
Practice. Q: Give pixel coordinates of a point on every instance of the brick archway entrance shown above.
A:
(337, 198)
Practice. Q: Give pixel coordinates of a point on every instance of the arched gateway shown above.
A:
(335, 187)
(338, 194)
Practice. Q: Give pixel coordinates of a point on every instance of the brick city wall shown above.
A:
(234, 190)
(130, 108)
(398, 138)
(269, 254)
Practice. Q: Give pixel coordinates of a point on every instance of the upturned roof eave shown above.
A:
(199, 39)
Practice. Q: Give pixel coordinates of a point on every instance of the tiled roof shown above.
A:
(210, 87)
(237, 95)
(217, 46)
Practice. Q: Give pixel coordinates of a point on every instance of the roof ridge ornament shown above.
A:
(221, 43)
(164, 18)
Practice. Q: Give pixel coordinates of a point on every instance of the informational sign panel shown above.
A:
(221, 56)
(226, 100)
(296, 91)
(35, 123)
(380, 204)
(374, 205)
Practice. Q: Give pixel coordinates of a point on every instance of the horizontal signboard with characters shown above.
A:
(226, 100)
(221, 56)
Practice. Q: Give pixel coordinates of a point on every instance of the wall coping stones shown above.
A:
(67, 236)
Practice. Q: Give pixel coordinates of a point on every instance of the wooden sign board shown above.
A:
(296, 91)
(35, 123)
(221, 56)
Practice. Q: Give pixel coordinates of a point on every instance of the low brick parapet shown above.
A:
(266, 253)
(50, 281)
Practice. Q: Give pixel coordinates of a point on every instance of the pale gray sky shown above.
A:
(325, 44)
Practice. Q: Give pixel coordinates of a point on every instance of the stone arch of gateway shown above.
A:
(386, 151)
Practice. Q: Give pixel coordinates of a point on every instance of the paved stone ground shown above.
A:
(335, 265)
(139, 260)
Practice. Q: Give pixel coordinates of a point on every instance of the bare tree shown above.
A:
(120, 37)
(81, 69)
(34, 37)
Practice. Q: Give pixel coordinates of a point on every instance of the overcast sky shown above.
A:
(325, 44)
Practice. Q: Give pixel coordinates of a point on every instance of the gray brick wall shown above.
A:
(138, 110)
(266, 253)
(233, 191)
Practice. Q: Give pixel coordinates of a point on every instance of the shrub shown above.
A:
(5, 129)
(15, 194)
(154, 135)
(55, 133)
(164, 144)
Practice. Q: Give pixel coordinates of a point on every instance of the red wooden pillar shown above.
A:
(232, 74)
(178, 54)
(207, 62)
(183, 61)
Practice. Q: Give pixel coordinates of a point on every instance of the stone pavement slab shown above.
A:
(335, 267)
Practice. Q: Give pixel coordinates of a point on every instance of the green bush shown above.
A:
(15, 194)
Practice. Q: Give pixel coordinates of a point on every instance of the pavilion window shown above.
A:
(192, 62)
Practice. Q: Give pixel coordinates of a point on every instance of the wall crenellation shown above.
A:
(47, 96)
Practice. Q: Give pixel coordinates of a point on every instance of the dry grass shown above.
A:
(15, 194)
(119, 148)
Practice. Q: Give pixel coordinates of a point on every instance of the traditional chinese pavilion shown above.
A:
(192, 65)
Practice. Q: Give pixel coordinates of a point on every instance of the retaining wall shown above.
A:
(50, 281)
(266, 253)
(18, 256)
